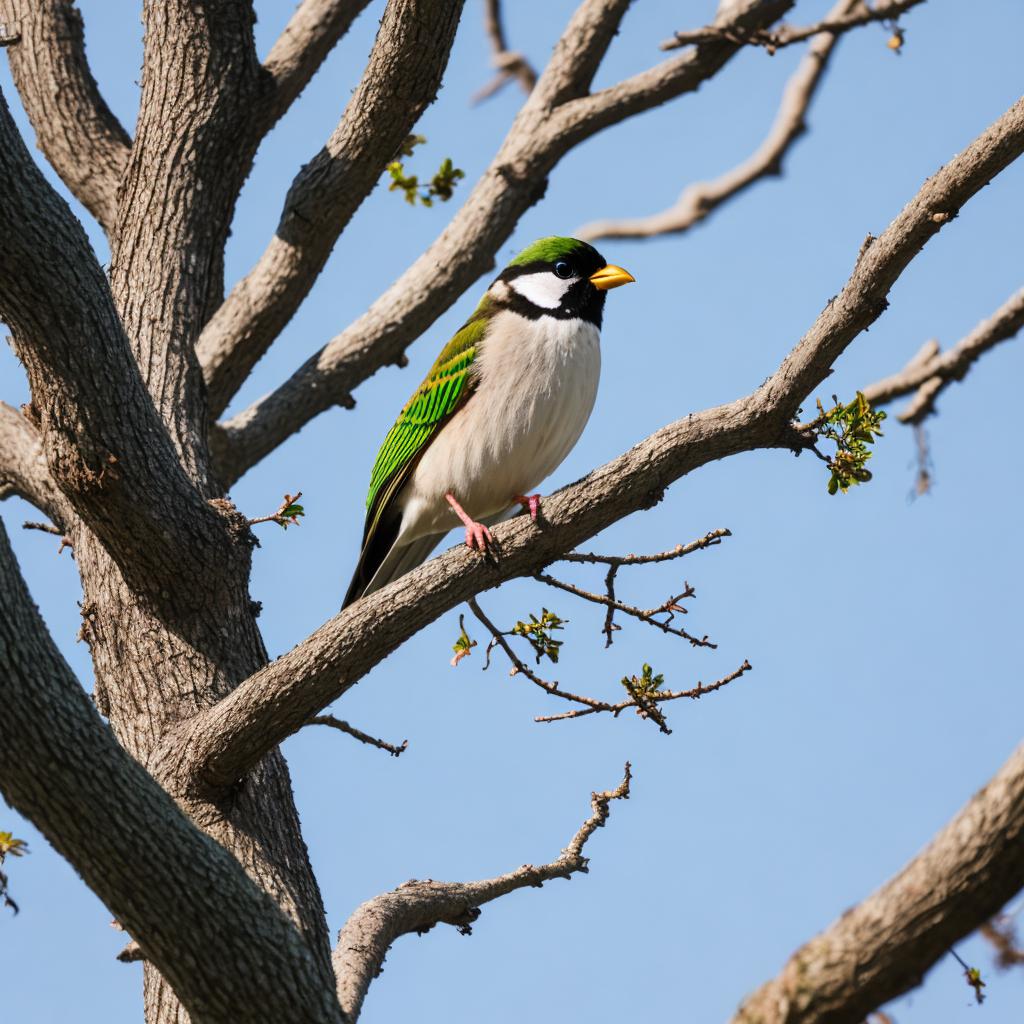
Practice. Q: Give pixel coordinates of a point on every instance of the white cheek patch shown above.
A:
(544, 289)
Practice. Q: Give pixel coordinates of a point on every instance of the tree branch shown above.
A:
(699, 200)
(105, 447)
(836, 23)
(401, 80)
(418, 906)
(511, 65)
(76, 130)
(394, 749)
(557, 116)
(883, 947)
(61, 767)
(218, 745)
(23, 469)
(311, 33)
(931, 371)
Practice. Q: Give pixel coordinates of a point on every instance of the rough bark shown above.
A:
(80, 137)
(883, 946)
(229, 951)
(400, 81)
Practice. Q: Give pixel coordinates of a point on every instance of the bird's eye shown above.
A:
(563, 268)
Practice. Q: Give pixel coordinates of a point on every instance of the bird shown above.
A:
(502, 406)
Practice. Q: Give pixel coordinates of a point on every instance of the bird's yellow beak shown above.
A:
(610, 276)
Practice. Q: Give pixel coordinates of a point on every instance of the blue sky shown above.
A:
(884, 632)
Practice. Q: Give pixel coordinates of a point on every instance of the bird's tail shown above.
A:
(383, 560)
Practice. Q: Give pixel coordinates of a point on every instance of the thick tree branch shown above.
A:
(400, 81)
(557, 116)
(184, 899)
(23, 469)
(418, 906)
(310, 35)
(221, 743)
(931, 371)
(105, 447)
(80, 137)
(883, 947)
(510, 65)
(700, 199)
(195, 141)
(836, 23)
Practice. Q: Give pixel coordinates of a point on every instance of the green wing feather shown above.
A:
(447, 385)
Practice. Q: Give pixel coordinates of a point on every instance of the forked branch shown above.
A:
(699, 200)
(76, 130)
(511, 65)
(418, 906)
(835, 23)
(558, 115)
(931, 371)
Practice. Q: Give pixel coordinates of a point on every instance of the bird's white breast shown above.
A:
(536, 389)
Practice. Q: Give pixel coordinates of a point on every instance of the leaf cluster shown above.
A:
(644, 685)
(441, 186)
(538, 633)
(853, 429)
(463, 645)
(15, 848)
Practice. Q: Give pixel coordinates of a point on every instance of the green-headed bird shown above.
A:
(502, 406)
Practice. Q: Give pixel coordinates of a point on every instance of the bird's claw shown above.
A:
(529, 501)
(478, 537)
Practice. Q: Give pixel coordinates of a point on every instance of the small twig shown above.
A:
(520, 667)
(645, 703)
(65, 541)
(510, 64)
(680, 550)
(363, 737)
(616, 709)
(973, 976)
(669, 607)
(785, 35)
(287, 514)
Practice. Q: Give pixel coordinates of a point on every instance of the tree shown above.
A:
(177, 810)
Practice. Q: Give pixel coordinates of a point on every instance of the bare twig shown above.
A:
(679, 551)
(288, 513)
(520, 667)
(417, 906)
(785, 35)
(700, 199)
(363, 737)
(65, 540)
(645, 702)
(657, 697)
(669, 607)
(931, 371)
(510, 64)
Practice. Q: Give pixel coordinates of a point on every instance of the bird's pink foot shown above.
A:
(477, 535)
(530, 501)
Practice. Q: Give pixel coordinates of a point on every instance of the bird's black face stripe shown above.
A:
(582, 301)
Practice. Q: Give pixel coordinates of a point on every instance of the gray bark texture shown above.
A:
(167, 792)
